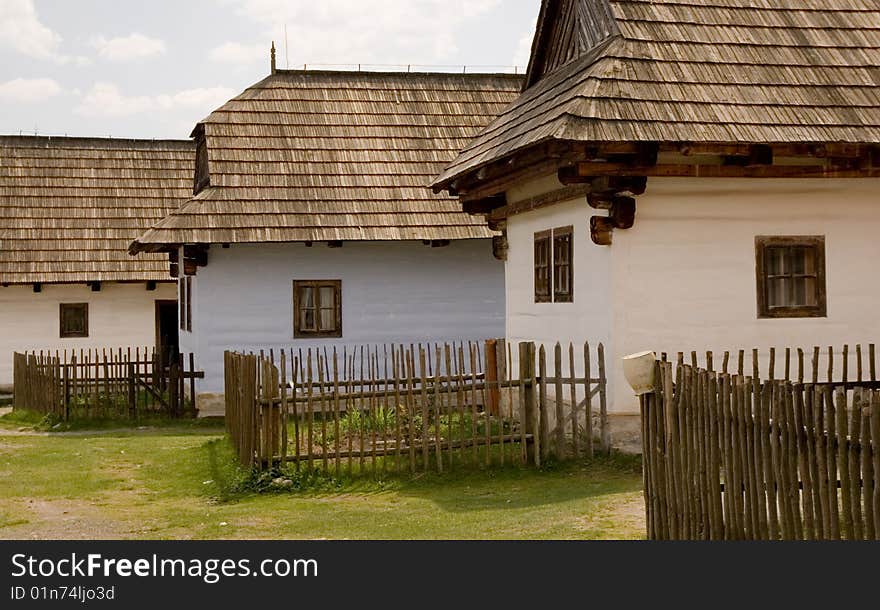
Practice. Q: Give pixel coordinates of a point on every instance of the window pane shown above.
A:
(562, 246)
(777, 292)
(328, 296)
(805, 293)
(808, 261)
(775, 261)
(328, 319)
(796, 260)
(307, 319)
(542, 269)
(306, 297)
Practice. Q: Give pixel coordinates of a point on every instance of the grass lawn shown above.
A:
(176, 481)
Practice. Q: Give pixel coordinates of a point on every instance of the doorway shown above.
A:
(167, 338)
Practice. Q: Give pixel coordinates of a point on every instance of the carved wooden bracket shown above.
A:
(616, 197)
(500, 246)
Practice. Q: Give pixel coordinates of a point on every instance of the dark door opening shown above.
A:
(167, 339)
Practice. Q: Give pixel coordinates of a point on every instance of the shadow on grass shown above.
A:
(109, 427)
(464, 488)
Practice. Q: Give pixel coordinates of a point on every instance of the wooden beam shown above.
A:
(38, 287)
(485, 205)
(587, 171)
(539, 201)
(151, 286)
(95, 286)
(197, 253)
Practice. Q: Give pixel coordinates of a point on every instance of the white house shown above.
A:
(688, 177)
(313, 224)
(69, 207)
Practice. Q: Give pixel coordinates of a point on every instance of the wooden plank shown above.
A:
(867, 466)
(396, 369)
(575, 438)
(559, 444)
(337, 438)
(875, 443)
(411, 408)
(310, 412)
(424, 404)
(803, 413)
(373, 418)
(438, 404)
(588, 402)
(473, 362)
(604, 430)
(825, 397)
(843, 463)
(854, 461)
(543, 434)
(671, 444)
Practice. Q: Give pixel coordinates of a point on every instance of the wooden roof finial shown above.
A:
(272, 56)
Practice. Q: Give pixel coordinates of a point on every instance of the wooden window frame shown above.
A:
(316, 285)
(181, 304)
(563, 232)
(543, 239)
(189, 298)
(549, 239)
(817, 243)
(73, 334)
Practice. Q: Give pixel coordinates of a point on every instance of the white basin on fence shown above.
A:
(639, 371)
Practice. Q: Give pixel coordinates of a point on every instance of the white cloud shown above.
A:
(127, 48)
(237, 53)
(106, 100)
(361, 31)
(22, 31)
(29, 89)
(524, 49)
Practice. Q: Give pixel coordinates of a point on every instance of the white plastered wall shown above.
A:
(120, 315)
(392, 292)
(683, 278)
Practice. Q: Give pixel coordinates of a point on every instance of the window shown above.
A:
(542, 267)
(74, 320)
(791, 277)
(554, 266)
(317, 308)
(184, 297)
(562, 290)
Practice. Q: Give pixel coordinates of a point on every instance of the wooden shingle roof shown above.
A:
(762, 71)
(321, 155)
(69, 207)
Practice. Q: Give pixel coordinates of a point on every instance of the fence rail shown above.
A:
(730, 457)
(105, 382)
(415, 408)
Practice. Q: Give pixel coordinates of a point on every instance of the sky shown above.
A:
(153, 68)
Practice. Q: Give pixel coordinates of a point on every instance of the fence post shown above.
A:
(492, 376)
(132, 394)
(604, 431)
(527, 397)
(174, 385)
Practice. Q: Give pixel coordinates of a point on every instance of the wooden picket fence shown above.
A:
(415, 408)
(733, 457)
(98, 383)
